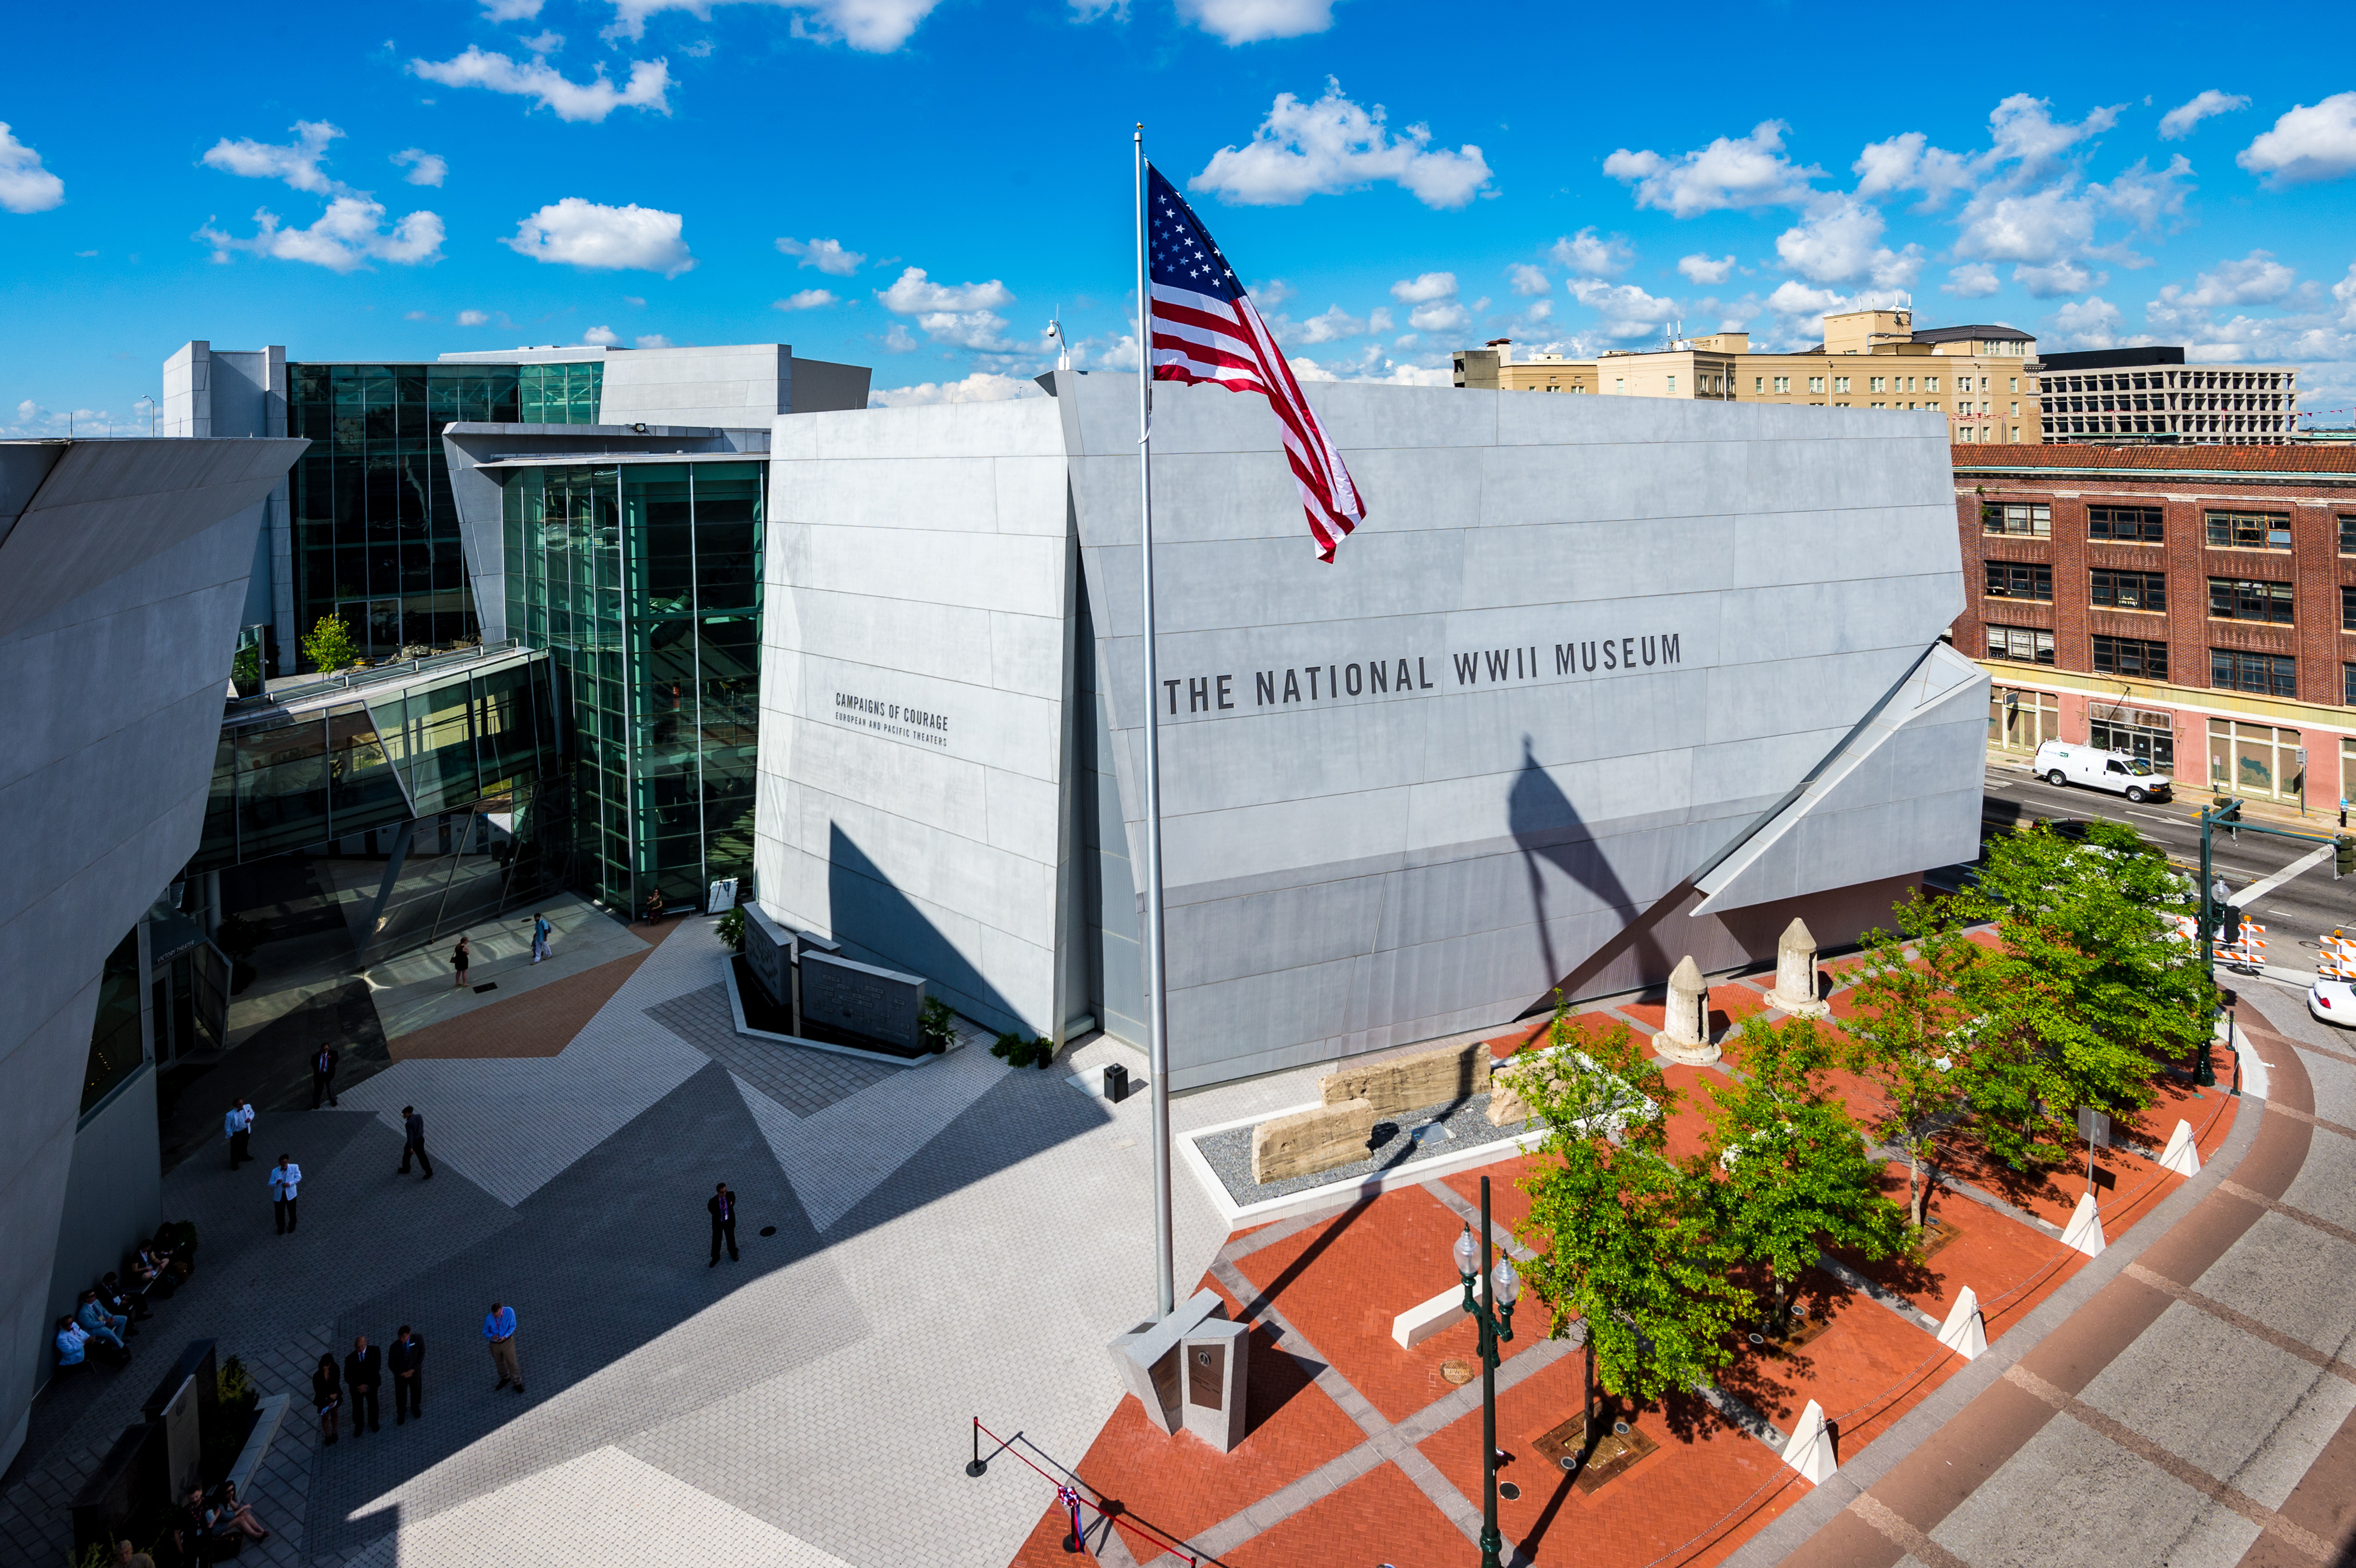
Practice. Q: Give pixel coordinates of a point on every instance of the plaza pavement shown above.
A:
(956, 1239)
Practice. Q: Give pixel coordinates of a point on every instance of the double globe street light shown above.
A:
(1493, 1316)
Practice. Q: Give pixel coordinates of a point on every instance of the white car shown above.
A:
(2333, 1001)
(2058, 763)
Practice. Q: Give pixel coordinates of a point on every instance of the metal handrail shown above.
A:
(374, 675)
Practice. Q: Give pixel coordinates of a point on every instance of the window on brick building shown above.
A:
(2035, 521)
(2232, 599)
(2124, 525)
(2131, 590)
(2022, 643)
(2348, 693)
(2269, 674)
(2348, 536)
(2020, 580)
(2131, 658)
(2250, 531)
(2348, 608)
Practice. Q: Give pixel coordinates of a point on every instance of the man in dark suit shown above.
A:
(363, 1370)
(413, 1135)
(323, 1076)
(722, 1204)
(407, 1360)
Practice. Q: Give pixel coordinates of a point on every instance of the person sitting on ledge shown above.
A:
(122, 1303)
(102, 1324)
(75, 1342)
(654, 906)
(148, 1273)
(231, 1517)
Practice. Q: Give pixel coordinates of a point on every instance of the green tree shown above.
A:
(1623, 1235)
(1911, 1036)
(329, 645)
(1788, 1171)
(2091, 990)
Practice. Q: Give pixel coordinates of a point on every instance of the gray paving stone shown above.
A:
(804, 1082)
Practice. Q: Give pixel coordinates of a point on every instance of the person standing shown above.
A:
(723, 1205)
(284, 1179)
(406, 1359)
(326, 1395)
(541, 931)
(413, 1136)
(323, 1076)
(499, 1332)
(363, 1373)
(238, 1127)
(460, 956)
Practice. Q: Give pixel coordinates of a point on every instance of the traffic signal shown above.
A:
(2229, 924)
(2343, 858)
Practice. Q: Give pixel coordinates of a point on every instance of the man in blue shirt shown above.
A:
(72, 1343)
(498, 1332)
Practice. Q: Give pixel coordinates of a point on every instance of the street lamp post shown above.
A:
(1493, 1316)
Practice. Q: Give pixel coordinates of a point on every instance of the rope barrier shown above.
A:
(1070, 1496)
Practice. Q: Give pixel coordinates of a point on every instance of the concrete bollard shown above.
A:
(1796, 973)
(1685, 1037)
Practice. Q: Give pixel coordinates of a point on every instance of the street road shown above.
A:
(2295, 914)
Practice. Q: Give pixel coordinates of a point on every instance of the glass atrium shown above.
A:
(642, 579)
(375, 532)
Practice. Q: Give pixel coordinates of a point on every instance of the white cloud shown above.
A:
(827, 255)
(510, 10)
(1424, 287)
(809, 299)
(474, 318)
(2058, 278)
(420, 315)
(2256, 279)
(979, 330)
(2089, 323)
(601, 337)
(2024, 131)
(1539, 310)
(1528, 280)
(1445, 316)
(25, 185)
(1838, 242)
(296, 163)
(899, 340)
(1731, 172)
(425, 168)
(548, 43)
(1795, 299)
(2143, 196)
(1234, 22)
(1273, 292)
(2178, 122)
(1584, 253)
(872, 27)
(597, 237)
(347, 236)
(1302, 150)
(652, 340)
(1973, 281)
(2034, 227)
(1908, 162)
(913, 292)
(1701, 268)
(1334, 325)
(592, 100)
(1089, 10)
(1626, 310)
(2306, 143)
(981, 386)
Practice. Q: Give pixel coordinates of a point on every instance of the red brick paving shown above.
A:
(538, 1022)
(1378, 1518)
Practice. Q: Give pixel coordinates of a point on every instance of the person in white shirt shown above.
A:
(283, 1176)
(238, 1127)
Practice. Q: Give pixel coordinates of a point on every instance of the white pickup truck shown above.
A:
(2058, 763)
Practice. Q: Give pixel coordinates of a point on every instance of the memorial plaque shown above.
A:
(881, 1004)
(767, 946)
(1207, 1385)
(183, 1444)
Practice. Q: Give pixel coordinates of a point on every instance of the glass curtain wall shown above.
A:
(643, 581)
(375, 532)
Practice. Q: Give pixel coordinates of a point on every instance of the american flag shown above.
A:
(1206, 329)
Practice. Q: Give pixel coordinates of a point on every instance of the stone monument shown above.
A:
(1151, 1358)
(1685, 1035)
(1217, 1357)
(1796, 973)
(768, 953)
(860, 999)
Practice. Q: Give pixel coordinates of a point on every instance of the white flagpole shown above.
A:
(1157, 1019)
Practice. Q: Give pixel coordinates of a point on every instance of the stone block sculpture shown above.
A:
(1306, 1142)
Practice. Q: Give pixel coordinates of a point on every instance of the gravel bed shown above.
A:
(1465, 1125)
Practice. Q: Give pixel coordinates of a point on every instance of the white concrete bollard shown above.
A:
(1420, 1323)
(1965, 1331)
(1810, 1451)
(2180, 1155)
(2084, 1230)
(1685, 1033)
(1796, 973)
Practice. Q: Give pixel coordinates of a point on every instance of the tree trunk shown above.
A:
(1918, 1192)
(1782, 1307)
(1586, 1402)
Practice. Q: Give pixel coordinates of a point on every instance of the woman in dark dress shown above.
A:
(327, 1395)
(460, 956)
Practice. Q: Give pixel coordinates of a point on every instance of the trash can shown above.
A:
(1116, 1083)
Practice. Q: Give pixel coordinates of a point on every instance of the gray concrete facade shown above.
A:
(123, 566)
(1602, 683)
(216, 394)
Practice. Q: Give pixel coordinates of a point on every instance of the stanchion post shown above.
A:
(976, 1464)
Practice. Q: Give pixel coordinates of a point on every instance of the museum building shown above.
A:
(1600, 683)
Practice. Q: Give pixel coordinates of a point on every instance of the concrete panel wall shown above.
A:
(1626, 628)
(916, 805)
(732, 384)
(114, 1193)
(119, 589)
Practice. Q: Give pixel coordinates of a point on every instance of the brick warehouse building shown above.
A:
(2169, 601)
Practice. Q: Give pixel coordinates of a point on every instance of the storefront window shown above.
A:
(2256, 760)
(2136, 732)
(2022, 720)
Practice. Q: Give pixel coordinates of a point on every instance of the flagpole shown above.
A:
(1157, 1018)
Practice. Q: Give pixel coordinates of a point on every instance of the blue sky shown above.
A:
(918, 185)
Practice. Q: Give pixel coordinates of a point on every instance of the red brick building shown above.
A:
(2195, 605)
